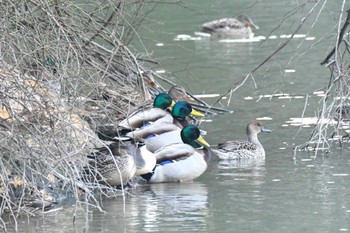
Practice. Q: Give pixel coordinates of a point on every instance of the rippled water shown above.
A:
(276, 195)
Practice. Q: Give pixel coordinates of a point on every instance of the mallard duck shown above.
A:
(137, 118)
(157, 113)
(157, 139)
(118, 163)
(181, 161)
(244, 149)
(179, 112)
(239, 27)
(133, 125)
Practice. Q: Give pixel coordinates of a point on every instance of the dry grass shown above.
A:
(62, 64)
(334, 114)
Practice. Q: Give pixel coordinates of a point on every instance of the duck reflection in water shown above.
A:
(182, 204)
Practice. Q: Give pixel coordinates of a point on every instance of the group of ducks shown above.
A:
(160, 144)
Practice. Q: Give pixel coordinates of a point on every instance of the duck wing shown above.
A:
(235, 145)
(180, 171)
(174, 152)
(162, 140)
(136, 120)
(152, 129)
(112, 165)
(225, 23)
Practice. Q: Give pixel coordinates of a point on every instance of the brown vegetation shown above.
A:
(65, 68)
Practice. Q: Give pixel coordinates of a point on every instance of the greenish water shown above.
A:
(278, 195)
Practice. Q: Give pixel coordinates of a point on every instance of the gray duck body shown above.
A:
(244, 149)
(239, 27)
(113, 165)
(117, 163)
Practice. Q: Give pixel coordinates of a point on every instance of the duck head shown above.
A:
(163, 101)
(179, 93)
(182, 109)
(149, 80)
(247, 22)
(191, 135)
(255, 127)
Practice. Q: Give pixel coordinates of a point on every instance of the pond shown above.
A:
(281, 194)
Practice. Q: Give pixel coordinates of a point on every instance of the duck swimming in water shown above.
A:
(113, 165)
(239, 27)
(179, 113)
(175, 121)
(143, 114)
(240, 149)
(155, 114)
(117, 163)
(181, 161)
(179, 93)
(159, 112)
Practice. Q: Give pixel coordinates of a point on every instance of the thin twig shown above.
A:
(340, 38)
(238, 84)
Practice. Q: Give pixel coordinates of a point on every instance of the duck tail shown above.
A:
(207, 29)
(108, 135)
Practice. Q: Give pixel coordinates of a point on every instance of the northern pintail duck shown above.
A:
(181, 161)
(179, 93)
(239, 27)
(239, 149)
(118, 163)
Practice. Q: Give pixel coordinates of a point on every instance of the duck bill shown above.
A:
(266, 130)
(155, 85)
(201, 140)
(254, 26)
(196, 113)
(148, 77)
(187, 97)
(172, 103)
